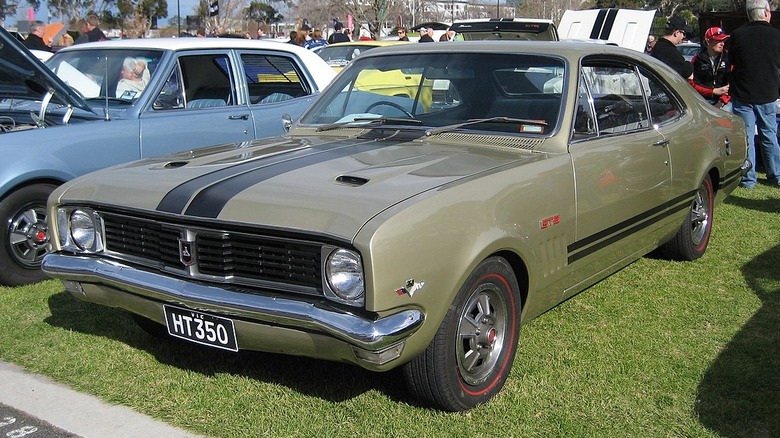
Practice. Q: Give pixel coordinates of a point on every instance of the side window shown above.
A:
(662, 106)
(172, 94)
(584, 121)
(618, 97)
(207, 81)
(272, 78)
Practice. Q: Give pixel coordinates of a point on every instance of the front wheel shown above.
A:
(24, 235)
(471, 354)
(692, 238)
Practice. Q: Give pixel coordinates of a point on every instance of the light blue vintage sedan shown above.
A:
(126, 100)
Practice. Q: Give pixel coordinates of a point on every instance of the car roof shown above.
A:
(319, 69)
(189, 44)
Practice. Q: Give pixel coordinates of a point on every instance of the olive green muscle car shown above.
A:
(416, 230)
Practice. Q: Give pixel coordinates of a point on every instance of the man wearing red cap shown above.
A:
(711, 69)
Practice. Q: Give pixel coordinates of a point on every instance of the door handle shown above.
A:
(239, 117)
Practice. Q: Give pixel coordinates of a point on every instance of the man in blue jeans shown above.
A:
(754, 51)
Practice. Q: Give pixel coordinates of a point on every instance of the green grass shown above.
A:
(660, 349)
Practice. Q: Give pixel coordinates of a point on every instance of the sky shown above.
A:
(187, 7)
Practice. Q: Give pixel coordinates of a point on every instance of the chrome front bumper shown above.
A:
(375, 342)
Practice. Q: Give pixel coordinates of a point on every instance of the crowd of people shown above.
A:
(738, 73)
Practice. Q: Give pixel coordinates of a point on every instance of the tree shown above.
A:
(262, 13)
(8, 7)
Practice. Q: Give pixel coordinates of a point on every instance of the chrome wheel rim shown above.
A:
(28, 236)
(482, 328)
(700, 217)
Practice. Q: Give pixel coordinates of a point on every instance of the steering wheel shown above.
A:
(390, 104)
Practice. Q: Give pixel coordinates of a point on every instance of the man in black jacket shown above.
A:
(754, 52)
(34, 40)
(665, 48)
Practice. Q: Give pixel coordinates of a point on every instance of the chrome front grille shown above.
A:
(224, 256)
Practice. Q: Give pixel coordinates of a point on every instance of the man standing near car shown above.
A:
(338, 36)
(711, 69)
(754, 52)
(34, 40)
(665, 49)
(92, 31)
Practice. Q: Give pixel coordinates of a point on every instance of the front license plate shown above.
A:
(201, 328)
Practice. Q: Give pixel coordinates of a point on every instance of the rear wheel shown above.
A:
(24, 235)
(692, 238)
(471, 355)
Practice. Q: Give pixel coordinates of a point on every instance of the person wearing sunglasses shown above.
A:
(754, 52)
(677, 30)
(402, 34)
(711, 69)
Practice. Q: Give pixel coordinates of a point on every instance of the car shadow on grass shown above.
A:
(740, 393)
(327, 380)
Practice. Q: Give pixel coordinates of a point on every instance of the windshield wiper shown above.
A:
(370, 121)
(498, 119)
(108, 99)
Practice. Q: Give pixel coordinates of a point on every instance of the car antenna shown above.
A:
(106, 114)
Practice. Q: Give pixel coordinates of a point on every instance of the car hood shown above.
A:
(25, 77)
(624, 27)
(311, 183)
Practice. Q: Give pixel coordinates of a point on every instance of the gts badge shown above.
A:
(410, 288)
(549, 221)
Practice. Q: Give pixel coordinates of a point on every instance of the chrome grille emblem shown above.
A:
(185, 252)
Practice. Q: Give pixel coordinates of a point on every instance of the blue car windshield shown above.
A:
(117, 74)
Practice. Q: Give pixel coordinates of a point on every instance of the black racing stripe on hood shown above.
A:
(210, 201)
(177, 199)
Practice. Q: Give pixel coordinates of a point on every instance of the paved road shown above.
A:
(32, 406)
(18, 424)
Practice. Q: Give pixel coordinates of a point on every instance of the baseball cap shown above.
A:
(306, 27)
(422, 30)
(679, 23)
(715, 33)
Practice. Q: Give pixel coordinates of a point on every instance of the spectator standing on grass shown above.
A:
(426, 35)
(665, 49)
(402, 34)
(34, 40)
(711, 69)
(316, 40)
(338, 36)
(650, 44)
(448, 35)
(92, 31)
(754, 52)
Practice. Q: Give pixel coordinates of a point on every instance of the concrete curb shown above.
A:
(78, 413)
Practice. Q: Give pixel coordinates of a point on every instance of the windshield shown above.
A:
(120, 75)
(475, 91)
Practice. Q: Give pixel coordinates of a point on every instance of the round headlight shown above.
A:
(82, 229)
(344, 271)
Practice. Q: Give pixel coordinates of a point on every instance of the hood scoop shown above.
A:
(175, 164)
(354, 181)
